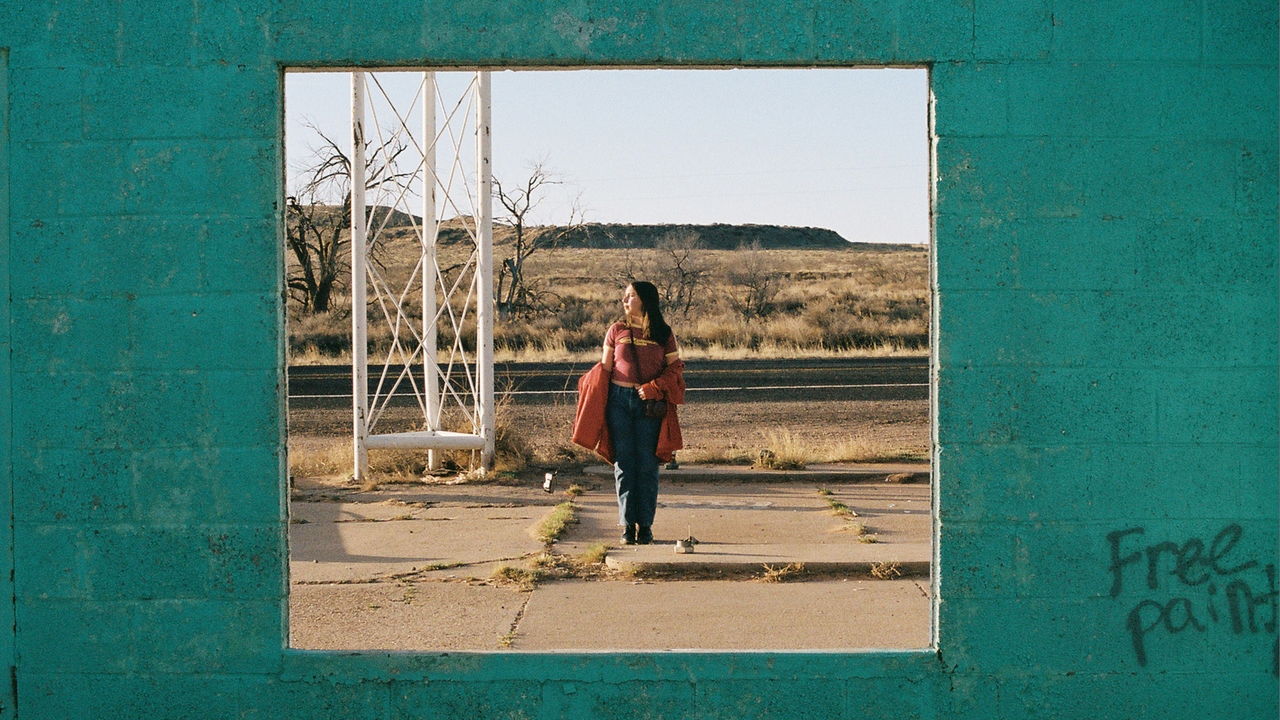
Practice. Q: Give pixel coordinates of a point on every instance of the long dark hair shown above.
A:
(659, 330)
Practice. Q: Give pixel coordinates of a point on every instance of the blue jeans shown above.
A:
(635, 467)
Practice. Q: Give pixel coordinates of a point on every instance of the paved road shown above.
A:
(763, 380)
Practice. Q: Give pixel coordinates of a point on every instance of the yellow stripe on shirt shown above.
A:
(637, 341)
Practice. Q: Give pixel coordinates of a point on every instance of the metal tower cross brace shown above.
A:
(393, 164)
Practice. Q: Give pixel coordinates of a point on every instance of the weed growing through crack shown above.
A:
(846, 513)
(523, 578)
(594, 555)
(841, 510)
(443, 565)
(555, 523)
(838, 508)
(575, 490)
(886, 570)
(784, 573)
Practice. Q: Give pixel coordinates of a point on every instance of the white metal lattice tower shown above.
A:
(390, 165)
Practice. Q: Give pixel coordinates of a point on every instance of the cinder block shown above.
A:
(192, 486)
(240, 255)
(971, 99)
(233, 34)
(54, 335)
(368, 30)
(617, 697)
(478, 698)
(1186, 253)
(199, 637)
(53, 175)
(1144, 166)
(1012, 30)
(1256, 184)
(48, 104)
(589, 31)
(46, 35)
(148, 410)
(58, 334)
(934, 31)
(1206, 694)
(1158, 179)
(1054, 637)
(144, 37)
(1217, 405)
(253, 697)
(73, 637)
(964, 694)
(1014, 483)
(1042, 254)
(240, 178)
(816, 698)
(1257, 481)
(1047, 406)
(302, 32)
(1194, 556)
(181, 102)
(1026, 328)
(107, 255)
(1008, 178)
(226, 562)
(1087, 99)
(856, 32)
(1188, 329)
(1236, 31)
(1127, 31)
(759, 29)
(977, 560)
(220, 331)
(1116, 329)
(888, 31)
(962, 422)
(72, 486)
(1217, 102)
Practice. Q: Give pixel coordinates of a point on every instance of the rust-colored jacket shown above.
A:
(592, 432)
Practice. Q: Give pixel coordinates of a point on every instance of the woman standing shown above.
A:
(642, 361)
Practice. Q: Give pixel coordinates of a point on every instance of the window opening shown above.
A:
(434, 547)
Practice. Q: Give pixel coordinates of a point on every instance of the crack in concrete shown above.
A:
(507, 640)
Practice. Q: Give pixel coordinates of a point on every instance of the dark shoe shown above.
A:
(629, 534)
(645, 536)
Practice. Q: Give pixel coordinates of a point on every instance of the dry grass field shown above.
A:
(860, 300)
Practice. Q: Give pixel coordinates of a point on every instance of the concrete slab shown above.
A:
(726, 615)
(743, 526)
(402, 616)
(911, 559)
(348, 542)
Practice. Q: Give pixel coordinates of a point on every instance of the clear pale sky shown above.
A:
(840, 149)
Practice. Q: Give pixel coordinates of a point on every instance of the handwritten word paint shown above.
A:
(1217, 572)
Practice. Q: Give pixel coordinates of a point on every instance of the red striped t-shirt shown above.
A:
(652, 356)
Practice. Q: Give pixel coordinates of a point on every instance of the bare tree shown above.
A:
(681, 270)
(516, 292)
(318, 233)
(755, 284)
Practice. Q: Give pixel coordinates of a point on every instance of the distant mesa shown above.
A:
(714, 237)
(718, 236)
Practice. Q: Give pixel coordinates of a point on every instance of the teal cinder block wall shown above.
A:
(1106, 352)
